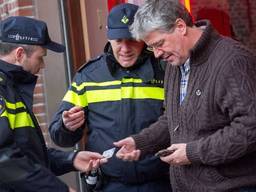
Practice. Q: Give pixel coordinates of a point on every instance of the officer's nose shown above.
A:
(125, 47)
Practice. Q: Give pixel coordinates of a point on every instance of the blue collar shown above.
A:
(16, 73)
(142, 69)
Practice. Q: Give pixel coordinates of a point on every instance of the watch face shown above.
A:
(2, 105)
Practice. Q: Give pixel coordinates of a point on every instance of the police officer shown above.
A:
(117, 94)
(25, 161)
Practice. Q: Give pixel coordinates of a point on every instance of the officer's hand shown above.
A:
(128, 151)
(86, 161)
(73, 118)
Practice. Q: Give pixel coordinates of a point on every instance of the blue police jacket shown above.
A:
(118, 102)
(25, 161)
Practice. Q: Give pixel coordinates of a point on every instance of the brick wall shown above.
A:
(27, 8)
(16, 7)
(241, 15)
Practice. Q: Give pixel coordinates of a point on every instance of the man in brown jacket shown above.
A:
(210, 120)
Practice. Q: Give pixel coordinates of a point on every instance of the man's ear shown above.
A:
(181, 26)
(19, 54)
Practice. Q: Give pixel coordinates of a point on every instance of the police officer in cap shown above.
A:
(116, 94)
(26, 164)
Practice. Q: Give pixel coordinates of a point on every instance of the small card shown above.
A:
(109, 153)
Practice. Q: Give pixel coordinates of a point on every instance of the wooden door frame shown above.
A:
(75, 32)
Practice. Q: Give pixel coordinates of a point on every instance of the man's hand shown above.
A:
(73, 118)
(178, 157)
(86, 161)
(128, 151)
(70, 189)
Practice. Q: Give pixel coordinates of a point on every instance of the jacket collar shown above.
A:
(23, 81)
(16, 73)
(204, 45)
(142, 69)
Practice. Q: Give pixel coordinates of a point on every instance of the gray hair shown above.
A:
(158, 15)
(6, 48)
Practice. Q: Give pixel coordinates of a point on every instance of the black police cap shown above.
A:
(25, 30)
(119, 20)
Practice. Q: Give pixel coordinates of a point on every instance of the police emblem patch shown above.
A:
(2, 105)
(125, 19)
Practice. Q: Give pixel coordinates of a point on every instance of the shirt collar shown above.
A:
(185, 68)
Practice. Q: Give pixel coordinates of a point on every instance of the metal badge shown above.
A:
(125, 19)
(198, 92)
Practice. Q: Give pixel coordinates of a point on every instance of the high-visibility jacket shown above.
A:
(117, 102)
(24, 158)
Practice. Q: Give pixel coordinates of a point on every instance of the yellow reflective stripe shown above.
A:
(103, 95)
(4, 114)
(87, 84)
(125, 93)
(75, 99)
(102, 84)
(143, 93)
(14, 105)
(131, 80)
(19, 120)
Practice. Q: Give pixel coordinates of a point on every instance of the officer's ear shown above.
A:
(20, 54)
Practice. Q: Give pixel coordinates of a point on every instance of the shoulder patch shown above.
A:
(89, 62)
(2, 78)
(2, 105)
